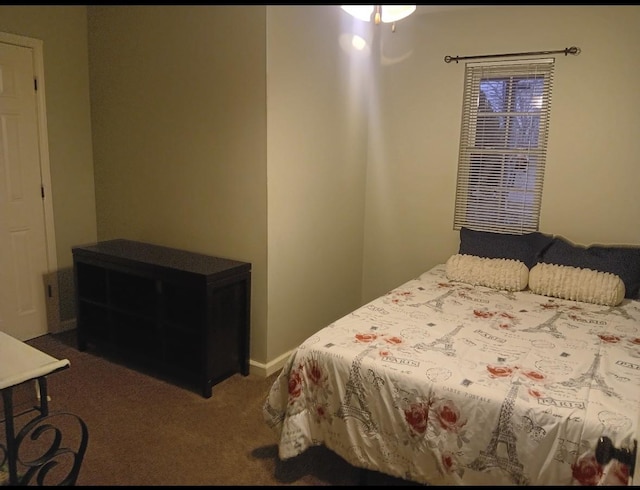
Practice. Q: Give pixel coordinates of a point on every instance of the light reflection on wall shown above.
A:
(397, 46)
(357, 36)
(353, 43)
(390, 54)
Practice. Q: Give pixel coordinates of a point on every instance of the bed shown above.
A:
(471, 374)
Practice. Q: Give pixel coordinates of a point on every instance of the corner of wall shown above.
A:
(266, 370)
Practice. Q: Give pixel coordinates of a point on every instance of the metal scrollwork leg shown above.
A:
(44, 456)
(4, 473)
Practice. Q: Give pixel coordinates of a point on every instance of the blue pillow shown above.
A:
(527, 248)
(624, 261)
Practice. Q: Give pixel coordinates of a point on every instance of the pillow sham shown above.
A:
(507, 274)
(624, 261)
(527, 248)
(574, 283)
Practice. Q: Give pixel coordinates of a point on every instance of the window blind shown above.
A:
(503, 145)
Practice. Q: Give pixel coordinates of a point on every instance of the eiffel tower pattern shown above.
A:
(591, 379)
(353, 404)
(615, 310)
(503, 434)
(548, 326)
(443, 344)
(435, 303)
(510, 295)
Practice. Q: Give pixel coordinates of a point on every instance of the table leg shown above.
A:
(7, 397)
(44, 398)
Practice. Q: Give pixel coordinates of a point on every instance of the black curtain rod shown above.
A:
(566, 51)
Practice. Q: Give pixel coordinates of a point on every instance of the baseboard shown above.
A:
(266, 370)
(257, 368)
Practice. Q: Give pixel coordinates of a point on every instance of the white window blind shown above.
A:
(503, 145)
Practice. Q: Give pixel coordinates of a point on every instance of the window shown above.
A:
(503, 145)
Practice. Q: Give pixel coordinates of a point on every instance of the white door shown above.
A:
(24, 262)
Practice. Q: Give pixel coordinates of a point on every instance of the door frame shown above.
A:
(50, 282)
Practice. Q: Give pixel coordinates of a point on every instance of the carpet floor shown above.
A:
(145, 430)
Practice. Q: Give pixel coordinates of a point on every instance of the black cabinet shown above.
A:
(179, 313)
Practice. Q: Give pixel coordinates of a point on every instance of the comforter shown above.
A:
(441, 382)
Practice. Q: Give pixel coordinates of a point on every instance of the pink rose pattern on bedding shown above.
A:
(441, 382)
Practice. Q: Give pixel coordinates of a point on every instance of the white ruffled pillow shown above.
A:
(567, 282)
(507, 274)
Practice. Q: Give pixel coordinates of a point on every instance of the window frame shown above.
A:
(515, 145)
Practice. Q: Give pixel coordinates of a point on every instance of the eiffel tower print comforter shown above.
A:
(442, 383)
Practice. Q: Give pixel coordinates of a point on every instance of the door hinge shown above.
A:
(35, 84)
(42, 191)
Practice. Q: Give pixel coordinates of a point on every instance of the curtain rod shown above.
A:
(566, 51)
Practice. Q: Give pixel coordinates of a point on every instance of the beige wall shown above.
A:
(316, 116)
(592, 175)
(206, 117)
(243, 132)
(63, 31)
(179, 133)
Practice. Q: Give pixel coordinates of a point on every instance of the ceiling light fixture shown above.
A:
(381, 13)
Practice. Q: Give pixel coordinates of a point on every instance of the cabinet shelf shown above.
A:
(181, 313)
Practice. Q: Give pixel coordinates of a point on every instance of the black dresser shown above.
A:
(182, 314)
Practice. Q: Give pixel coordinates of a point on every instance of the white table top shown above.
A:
(19, 362)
